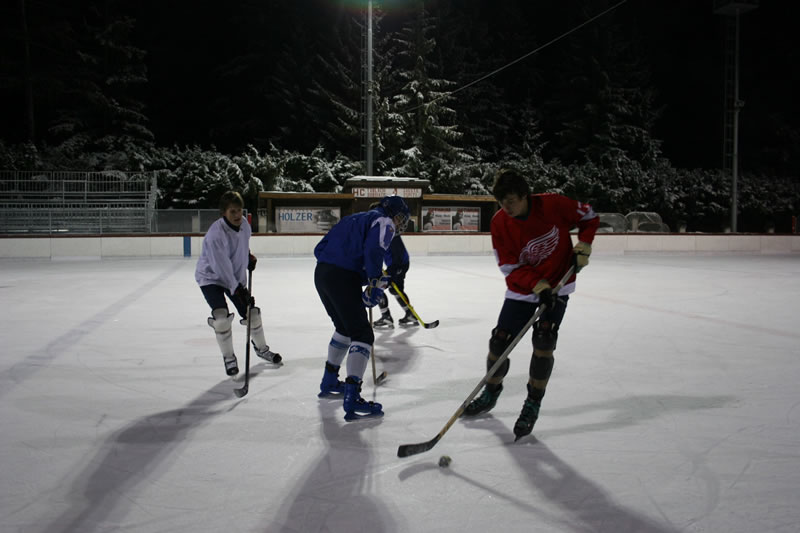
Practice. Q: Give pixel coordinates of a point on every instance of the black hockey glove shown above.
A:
(244, 296)
(251, 263)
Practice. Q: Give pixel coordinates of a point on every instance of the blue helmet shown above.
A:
(395, 205)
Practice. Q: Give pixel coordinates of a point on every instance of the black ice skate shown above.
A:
(484, 402)
(384, 322)
(268, 356)
(408, 321)
(231, 366)
(527, 418)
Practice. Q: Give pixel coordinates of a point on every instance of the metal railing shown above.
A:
(77, 202)
(105, 219)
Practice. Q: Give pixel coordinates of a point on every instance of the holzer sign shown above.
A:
(306, 219)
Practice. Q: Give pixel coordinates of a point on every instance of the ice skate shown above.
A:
(408, 321)
(231, 366)
(356, 407)
(484, 402)
(527, 418)
(330, 385)
(384, 322)
(268, 356)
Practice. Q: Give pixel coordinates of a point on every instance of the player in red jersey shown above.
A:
(534, 249)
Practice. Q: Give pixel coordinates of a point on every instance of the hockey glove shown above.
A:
(251, 263)
(371, 296)
(581, 254)
(379, 283)
(545, 293)
(243, 295)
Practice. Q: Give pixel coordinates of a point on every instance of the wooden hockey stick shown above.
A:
(412, 449)
(375, 378)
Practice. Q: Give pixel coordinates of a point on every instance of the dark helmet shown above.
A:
(395, 205)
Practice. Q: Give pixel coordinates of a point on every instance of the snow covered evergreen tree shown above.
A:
(102, 111)
(421, 136)
(602, 109)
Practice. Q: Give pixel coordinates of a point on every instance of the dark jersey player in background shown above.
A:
(397, 265)
(534, 249)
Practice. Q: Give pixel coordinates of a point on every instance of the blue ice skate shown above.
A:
(356, 407)
(330, 385)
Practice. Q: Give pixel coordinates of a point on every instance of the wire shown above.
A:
(492, 73)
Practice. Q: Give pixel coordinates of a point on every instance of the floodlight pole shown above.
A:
(732, 10)
(369, 91)
(737, 106)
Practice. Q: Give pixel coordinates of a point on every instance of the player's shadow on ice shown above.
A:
(613, 413)
(394, 351)
(101, 494)
(627, 411)
(584, 504)
(335, 495)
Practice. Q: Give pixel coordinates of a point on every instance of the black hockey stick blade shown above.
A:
(413, 449)
(241, 393)
(382, 377)
(426, 325)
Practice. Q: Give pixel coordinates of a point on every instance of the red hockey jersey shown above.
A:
(540, 247)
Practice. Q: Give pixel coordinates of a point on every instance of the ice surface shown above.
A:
(674, 405)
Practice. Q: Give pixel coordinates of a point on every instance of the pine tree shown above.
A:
(478, 44)
(603, 108)
(422, 135)
(102, 111)
(336, 90)
(259, 96)
(37, 44)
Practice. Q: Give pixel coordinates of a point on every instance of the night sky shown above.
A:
(185, 41)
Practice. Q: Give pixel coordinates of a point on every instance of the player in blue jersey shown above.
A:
(349, 257)
(222, 271)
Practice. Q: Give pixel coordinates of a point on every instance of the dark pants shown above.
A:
(399, 279)
(215, 296)
(340, 292)
(515, 314)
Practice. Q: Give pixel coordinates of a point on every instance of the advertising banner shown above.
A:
(306, 219)
(380, 192)
(451, 218)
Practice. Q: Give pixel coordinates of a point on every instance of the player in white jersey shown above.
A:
(222, 271)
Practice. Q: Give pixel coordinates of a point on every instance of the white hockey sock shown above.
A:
(357, 359)
(337, 348)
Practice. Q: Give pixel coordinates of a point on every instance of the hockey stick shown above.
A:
(403, 297)
(412, 449)
(375, 379)
(244, 390)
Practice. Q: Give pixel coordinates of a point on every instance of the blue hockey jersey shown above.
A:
(358, 243)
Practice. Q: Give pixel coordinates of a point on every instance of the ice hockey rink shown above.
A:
(674, 405)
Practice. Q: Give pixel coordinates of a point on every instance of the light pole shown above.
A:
(732, 9)
(368, 90)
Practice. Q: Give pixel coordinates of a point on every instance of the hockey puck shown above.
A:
(444, 461)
